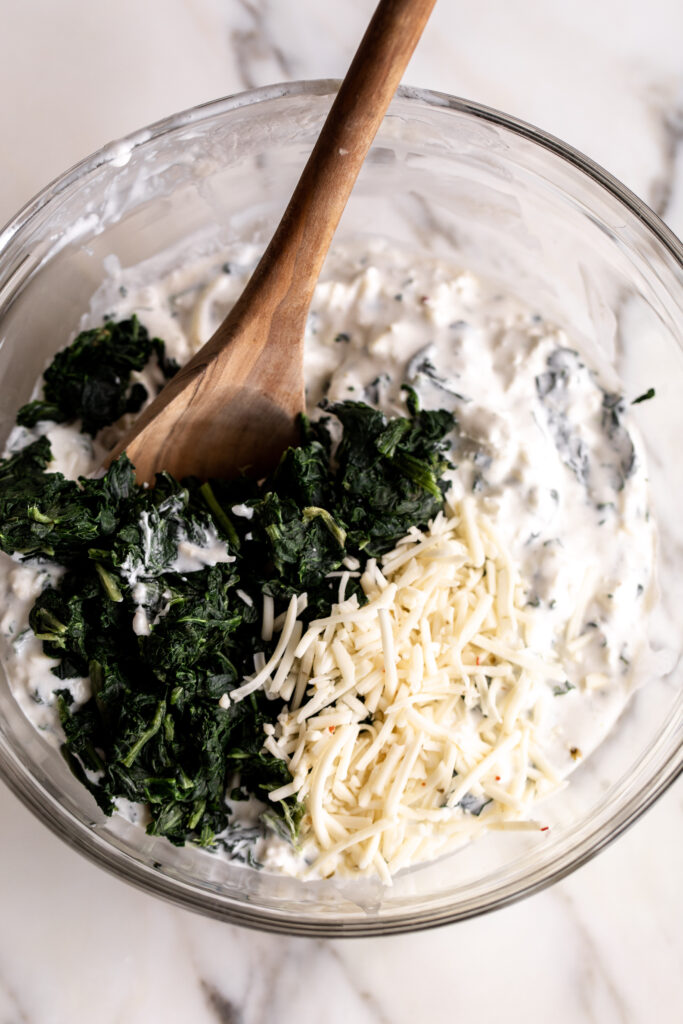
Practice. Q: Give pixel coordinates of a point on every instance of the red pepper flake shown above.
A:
(332, 728)
(477, 659)
(497, 778)
(545, 828)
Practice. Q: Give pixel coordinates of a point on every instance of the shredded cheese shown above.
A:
(409, 714)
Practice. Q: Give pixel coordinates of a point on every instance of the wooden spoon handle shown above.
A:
(295, 255)
(235, 404)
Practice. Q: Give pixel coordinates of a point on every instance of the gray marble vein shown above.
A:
(12, 1008)
(224, 1010)
(598, 990)
(258, 56)
(671, 120)
(366, 996)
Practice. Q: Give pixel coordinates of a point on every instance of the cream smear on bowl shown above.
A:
(546, 528)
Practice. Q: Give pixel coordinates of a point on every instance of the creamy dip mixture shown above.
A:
(546, 463)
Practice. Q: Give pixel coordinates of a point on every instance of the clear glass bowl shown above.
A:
(452, 179)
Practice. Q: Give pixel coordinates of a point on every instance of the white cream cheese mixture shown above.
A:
(539, 571)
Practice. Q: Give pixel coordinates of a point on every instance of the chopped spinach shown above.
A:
(552, 389)
(43, 513)
(422, 365)
(474, 804)
(613, 409)
(389, 473)
(90, 379)
(611, 469)
(153, 730)
(160, 645)
(645, 397)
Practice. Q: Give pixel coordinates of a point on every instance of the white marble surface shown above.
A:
(605, 945)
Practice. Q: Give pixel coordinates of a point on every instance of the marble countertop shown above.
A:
(604, 945)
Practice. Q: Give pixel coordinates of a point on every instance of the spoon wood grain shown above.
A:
(234, 406)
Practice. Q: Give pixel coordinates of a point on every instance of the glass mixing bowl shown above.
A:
(451, 179)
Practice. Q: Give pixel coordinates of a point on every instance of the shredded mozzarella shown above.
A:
(411, 713)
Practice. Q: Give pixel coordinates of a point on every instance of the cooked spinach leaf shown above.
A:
(90, 379)
(43, 513)
(613, 409)
(645, 397)
(389, 475)
(617, 461)
(562, 688)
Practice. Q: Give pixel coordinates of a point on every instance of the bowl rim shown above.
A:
(86, 841)
(112, 151)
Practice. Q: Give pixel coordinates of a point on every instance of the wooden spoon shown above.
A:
(234, 406)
